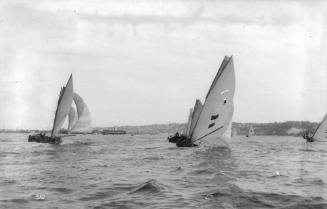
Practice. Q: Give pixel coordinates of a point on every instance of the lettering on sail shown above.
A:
(213, 117)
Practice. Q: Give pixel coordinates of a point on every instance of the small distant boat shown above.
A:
(213, 118)
(113, 132)
(63, 106)
(320, 135)
(250, 132)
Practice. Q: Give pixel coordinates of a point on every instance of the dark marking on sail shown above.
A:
(214, 117)
(210, 125)
(225, 101)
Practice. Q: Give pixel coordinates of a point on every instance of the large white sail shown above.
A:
(188, 127)
(72, 118)
(218, 107)
(64, 103)
(83, 124)
(321, 131)
(196, 114)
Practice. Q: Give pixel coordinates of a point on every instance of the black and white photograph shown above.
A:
(146, 104)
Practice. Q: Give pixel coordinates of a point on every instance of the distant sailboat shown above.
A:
(320, 134)
(80, 121)
(250, 132)
(63, 108)
(212, 119)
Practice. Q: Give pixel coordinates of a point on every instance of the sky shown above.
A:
(145, 62)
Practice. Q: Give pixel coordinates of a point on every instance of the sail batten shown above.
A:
(64, 103)
(218, 108)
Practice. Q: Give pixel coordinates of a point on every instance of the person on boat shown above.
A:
(307, 136)
(174, 139)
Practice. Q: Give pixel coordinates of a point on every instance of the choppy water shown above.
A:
(95, 171)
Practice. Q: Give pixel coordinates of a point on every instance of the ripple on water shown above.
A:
(151, 186)
(239, 198)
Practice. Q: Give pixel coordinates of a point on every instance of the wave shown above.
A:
(202, 172)
(16, 200)
(150, 186)
(153, 158)
(239, 198)
(62, 190)
(178, 169)
(310, 181)
(7, 182)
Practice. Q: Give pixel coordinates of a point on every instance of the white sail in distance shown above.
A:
(64, 103)
(218, 107)
(83, 123)
(251, 131)
(189, 121)
(321, 132)
(72, 118)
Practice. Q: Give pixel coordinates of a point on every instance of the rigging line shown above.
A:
(208, 133)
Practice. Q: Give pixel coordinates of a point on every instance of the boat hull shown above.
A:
(181, 141)
(40, 138)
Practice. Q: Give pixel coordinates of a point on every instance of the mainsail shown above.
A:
(228, 132)
(72, 118)
(188, 127)
(218, 107)
(83, 123)
(64, 103)
(321, 131)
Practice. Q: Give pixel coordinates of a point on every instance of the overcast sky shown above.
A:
(144, 62)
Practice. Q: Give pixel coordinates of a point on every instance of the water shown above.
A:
(144, 171)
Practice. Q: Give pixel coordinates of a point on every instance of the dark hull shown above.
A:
(308, 138)
(40, 138)
(181, 141)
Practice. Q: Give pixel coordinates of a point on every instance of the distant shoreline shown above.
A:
(288, 128)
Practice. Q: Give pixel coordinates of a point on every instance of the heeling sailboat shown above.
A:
(218, 107)
(82, 122)
(63, 107)
(320, 135)
(193, 117)
(250, 132)
(217, 111)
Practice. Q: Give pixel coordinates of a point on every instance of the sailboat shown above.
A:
(250, 132)
(211, 120)
(192, 118)
(79, 121)
(63, 107)
(320, 135)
